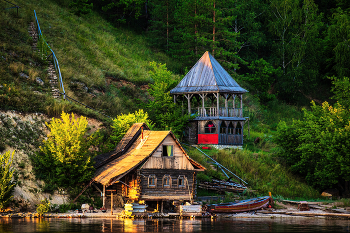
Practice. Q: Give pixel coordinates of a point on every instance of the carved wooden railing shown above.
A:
(213, 111)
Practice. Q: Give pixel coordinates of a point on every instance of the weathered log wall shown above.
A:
(174, 192)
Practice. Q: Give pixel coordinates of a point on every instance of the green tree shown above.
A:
(318, 146)
(121, 10)
(262, 78)
(65, 159)
(123, 122)
(163, 111)
(295, 25)
(81, 7)
(341, 90)
(6, 179)
(338, 39)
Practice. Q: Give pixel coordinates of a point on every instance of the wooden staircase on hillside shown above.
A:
(51, 72)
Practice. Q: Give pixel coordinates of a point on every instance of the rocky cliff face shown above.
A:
(24, 133)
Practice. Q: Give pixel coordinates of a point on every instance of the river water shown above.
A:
(174, 225)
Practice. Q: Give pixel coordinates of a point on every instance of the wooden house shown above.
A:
(148, 165)
(216, 99)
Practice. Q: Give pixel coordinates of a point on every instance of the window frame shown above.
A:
(167, 177)
(166, 150)
(152, 177)
(183, 178)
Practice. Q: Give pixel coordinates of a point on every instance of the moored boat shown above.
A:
(241, 206)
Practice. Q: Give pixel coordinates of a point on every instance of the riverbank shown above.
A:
(286, 209)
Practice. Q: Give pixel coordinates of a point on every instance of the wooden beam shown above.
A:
(226, 104)
(111, 203)
(104, 197)
(241, 106)
(234, 105)
(218, 106)
(188, 97)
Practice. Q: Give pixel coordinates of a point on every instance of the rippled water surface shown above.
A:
(169, 225)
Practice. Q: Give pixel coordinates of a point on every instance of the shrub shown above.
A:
(67, 151)
(43, 207)
(6, 175)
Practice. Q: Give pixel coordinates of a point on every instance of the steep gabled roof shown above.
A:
(207, 75)
(137, 153)
(131, 135)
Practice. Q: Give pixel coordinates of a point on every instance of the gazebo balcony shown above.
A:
(213, 112)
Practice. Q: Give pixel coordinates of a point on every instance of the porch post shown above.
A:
(218, 106)
(234, 105)
(188, 97)
(203, 112)
(104, 196)
(226, 103)
(241, 106)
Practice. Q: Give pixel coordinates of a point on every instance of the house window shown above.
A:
(166, 181)
(152, 181)
(167, 150)
(181, 182)
(223, 128)
(238, 128)
(210, 127)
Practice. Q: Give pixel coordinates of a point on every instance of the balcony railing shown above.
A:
(213, 112)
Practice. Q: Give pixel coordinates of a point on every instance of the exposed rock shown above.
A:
(23, 75)
(38, 80)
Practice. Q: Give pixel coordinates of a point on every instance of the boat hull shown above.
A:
(242, 206)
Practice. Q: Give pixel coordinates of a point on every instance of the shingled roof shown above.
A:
(138, 151)
(207, 75)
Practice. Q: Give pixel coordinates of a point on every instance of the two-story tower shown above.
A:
(216, 98)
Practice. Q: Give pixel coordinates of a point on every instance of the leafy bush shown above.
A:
(43, 207)
(317, 147)
(65, 207)
(6, 175)
(67, 151)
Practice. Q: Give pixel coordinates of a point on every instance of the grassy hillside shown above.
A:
(106, 67)
(97, 61)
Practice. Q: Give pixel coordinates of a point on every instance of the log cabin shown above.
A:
(148, 165)
(215, 99)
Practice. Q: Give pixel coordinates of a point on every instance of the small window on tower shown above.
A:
(167, 150)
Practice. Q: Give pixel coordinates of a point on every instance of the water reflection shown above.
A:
(173, 225)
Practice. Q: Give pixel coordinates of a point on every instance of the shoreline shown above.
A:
(253, 214)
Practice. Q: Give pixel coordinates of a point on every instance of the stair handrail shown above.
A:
(55, 61)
